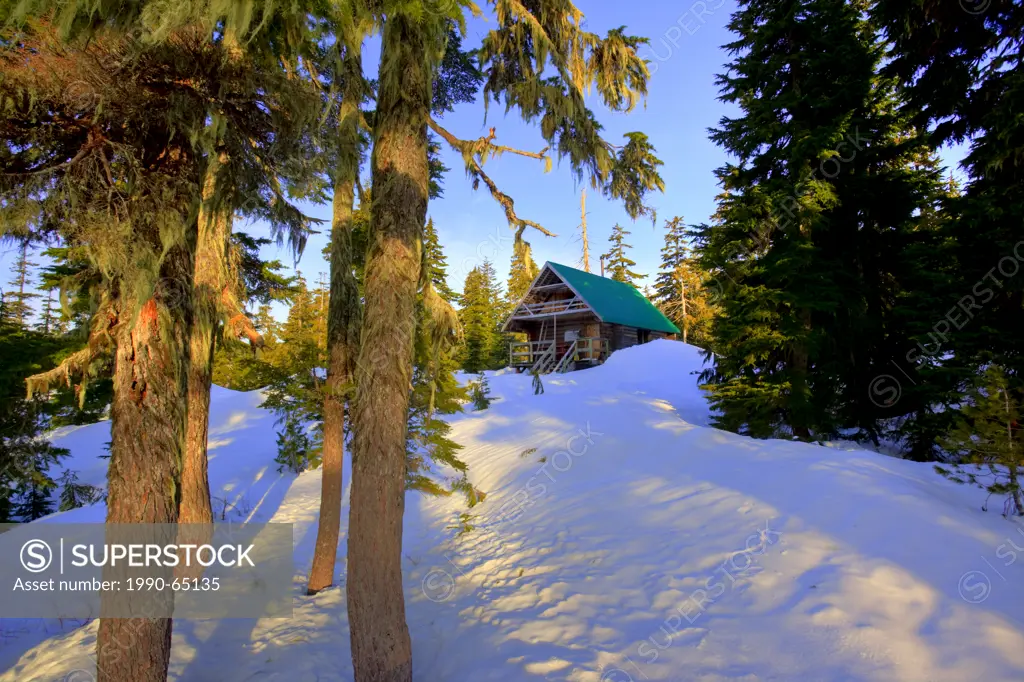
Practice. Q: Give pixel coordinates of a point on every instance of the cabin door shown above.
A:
(592, 330)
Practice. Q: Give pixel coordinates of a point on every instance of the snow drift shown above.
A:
(621, 539)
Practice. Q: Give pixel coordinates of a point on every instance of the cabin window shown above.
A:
(643, 336)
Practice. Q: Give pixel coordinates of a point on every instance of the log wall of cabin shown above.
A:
(619, 336)
(583, 326)
(612, 337)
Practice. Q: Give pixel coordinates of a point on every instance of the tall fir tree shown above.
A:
(480, 315)
(524, 44)
(299, 361)
(521, 273)
(616, 262)
(808, 215)
(437, 263)
(124, 185)
(986, 447)
(34, 495)
(49, 315)
(26, 455)
(962, 77)
(22, 288)
(680, 289)
(345, 310)
(435, 389)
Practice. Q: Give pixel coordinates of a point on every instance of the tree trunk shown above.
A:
(148, 418)
(211, 262)
(682, 297)
(583, 218)
(342, 330)
(381, 650)
(800, 396)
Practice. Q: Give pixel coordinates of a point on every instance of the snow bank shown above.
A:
(623, 539)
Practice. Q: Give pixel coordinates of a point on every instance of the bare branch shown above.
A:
(471, 151)
(478, 146)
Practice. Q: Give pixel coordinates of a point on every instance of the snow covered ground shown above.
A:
(621, 540)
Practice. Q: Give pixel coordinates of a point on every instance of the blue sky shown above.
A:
(685, 55)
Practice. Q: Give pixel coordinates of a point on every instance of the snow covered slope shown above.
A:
(622, 539)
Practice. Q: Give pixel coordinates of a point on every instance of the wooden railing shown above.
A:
(527, 353)
(589, 349)
(566, 305)
(567, 358)
(545, 361)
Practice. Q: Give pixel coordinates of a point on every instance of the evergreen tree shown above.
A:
(33, 495)
(526, 43)
(986, 447)
(296, 450)
(345, 312)
(480, 316)
(237, 367)
(617, 263)
(436, 391)
(74, 494)
(123, 183)
(79, 285)
(237, 364)
(680, 289)
(521, 273)
(962, 78)
(26, 456)
(815, 222)
(480, 393)
(21, 291)
(437, 263)
(673, 257)
(299, 361)
(49, 318)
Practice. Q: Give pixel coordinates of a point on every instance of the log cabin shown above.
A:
(573, 319)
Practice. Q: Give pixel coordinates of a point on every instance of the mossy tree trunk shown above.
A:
(343, 319)
(381, 649)
(211, 261)
(148, 418)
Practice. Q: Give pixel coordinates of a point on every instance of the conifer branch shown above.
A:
(237, 322)
(472, 153)
(481, 145)
(79, 362)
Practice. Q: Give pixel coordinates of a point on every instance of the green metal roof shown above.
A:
(615, 302)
